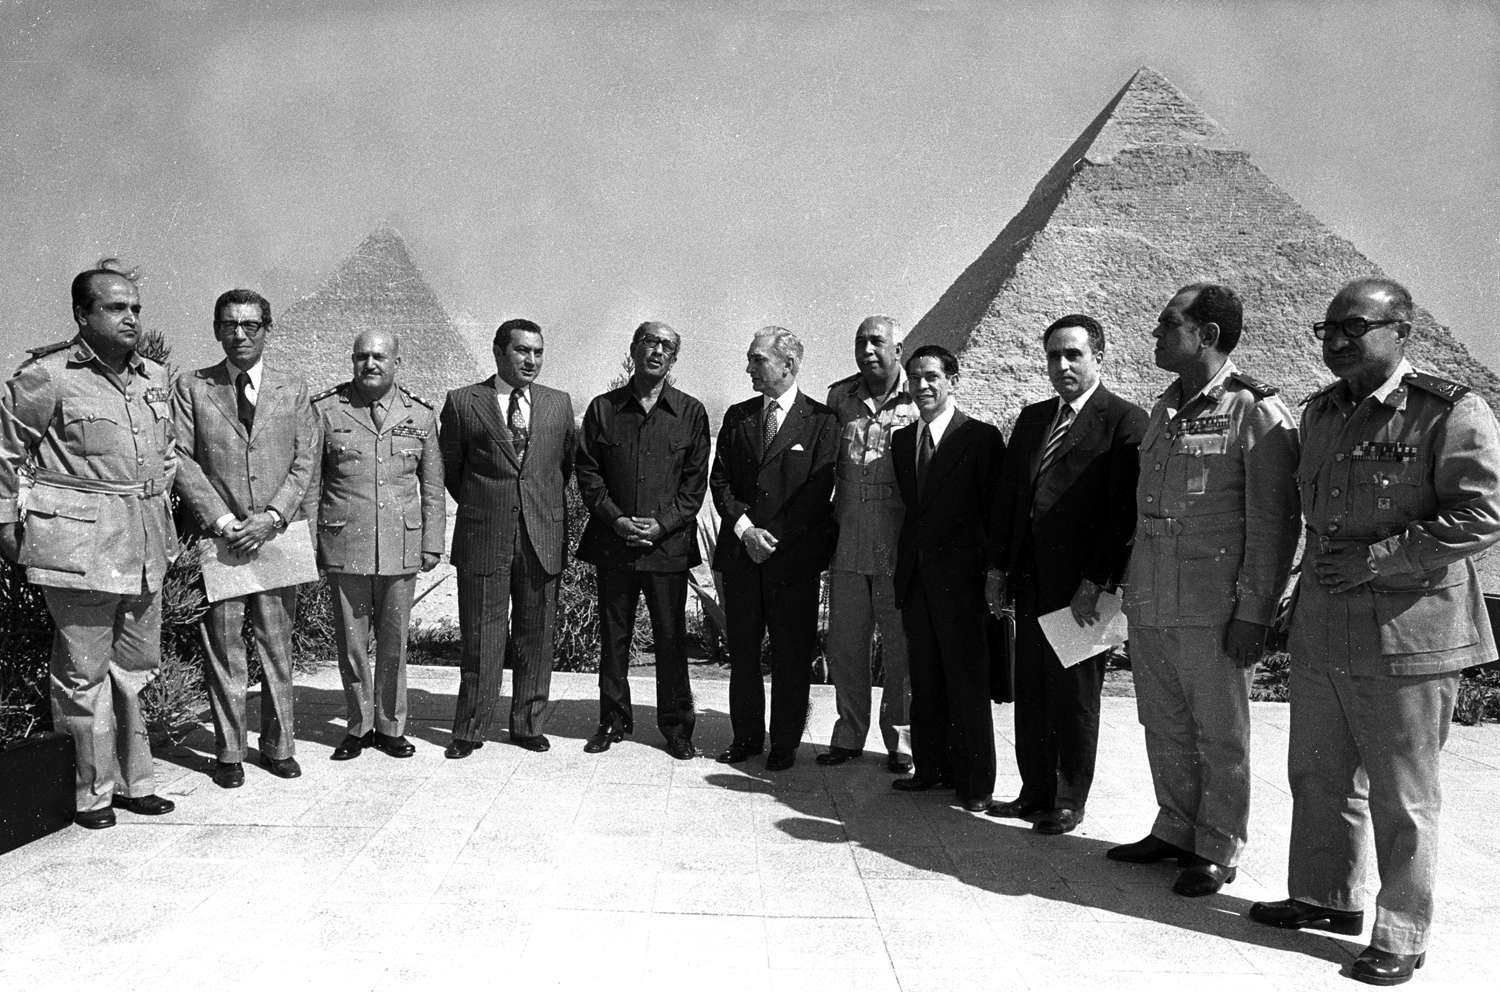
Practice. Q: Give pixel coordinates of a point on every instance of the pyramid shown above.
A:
(1152, 196)
(376, 286)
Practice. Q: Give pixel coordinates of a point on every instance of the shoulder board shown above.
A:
(47, 349)
(1260, 389)
(848, 380)
(414, 397)
(1319, 392)
(330, 391)
(1442, 388)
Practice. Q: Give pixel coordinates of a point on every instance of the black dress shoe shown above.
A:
(602, 739)
(738, 753)
(681, 749)
(1016, 809)
(281, 767)
(1058, 821)
(979, 804)
(919, 783)
(396, 747)
(1377, 967)
(95, 819)
(897, 765)
(780, 759)
(228, 774)
(535, 742)
(460, 748)
(836, 755)
(351, 746)
(152, 805)
(1204, 879)
(1147, 851)
(1294, 914)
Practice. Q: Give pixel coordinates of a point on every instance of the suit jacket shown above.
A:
(787, 489)
(945, 532)
(1080, 514)
(222, 469)
(495, 488)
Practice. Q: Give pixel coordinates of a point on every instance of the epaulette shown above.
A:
(1260, 389)
(414, 397)
(1442, 388)
(1319, 392)
(45, 350)
(330, 391)
(846, 380)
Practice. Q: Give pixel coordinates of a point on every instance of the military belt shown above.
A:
(114, 487)
(867, 491)
(1212, 523)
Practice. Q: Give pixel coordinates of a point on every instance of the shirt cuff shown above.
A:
(741, 525)
(219, 525)
(279, 520)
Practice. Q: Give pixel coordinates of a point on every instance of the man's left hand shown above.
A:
(1085, 605)
(252, 532)
(1245, 641)
(647, 532)
(430, 560)
(1343, 567)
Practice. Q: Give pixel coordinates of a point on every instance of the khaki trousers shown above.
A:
(857, 604)
(1365, 749)
(107, 648)
(1194, 702)
(374, 696)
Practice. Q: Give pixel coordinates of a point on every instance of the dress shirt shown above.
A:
(784, 401)
(937, 427)
(502, 394)
(1077, 405)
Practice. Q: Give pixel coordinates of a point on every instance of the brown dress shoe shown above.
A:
(1377, 967)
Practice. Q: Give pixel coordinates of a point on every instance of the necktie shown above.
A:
(245, 408)
(1055, 439)
(377, 416)
(771, 425)
(519, 435)
(925, 449)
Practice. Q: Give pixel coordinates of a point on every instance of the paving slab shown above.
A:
(630, 870)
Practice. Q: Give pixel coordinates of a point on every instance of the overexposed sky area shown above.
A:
(717, 166)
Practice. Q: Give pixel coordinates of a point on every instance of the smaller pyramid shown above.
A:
(378, 285)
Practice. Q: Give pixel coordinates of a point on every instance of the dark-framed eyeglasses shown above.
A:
(228, 326)
(1352, 327)
(651, 344)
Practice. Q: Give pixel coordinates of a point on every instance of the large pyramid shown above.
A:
(376, 286)
(1152, 196)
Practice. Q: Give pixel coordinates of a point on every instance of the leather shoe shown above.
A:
(396, 747)
(1377, 967)
(1058, 821)
(1147, 851)
(460, 748)
(979, 804)
(738, 753)
(281, 767)
(918, 783)
(535, 742)
(1204, 879)
(95, 819)
(1294, 914)
(1015, 809)
(602, 739)
(681, 748)
(351, 746)
(152, 805)
(897, 765)
(836, 755)
(780, 759)
(228, 774)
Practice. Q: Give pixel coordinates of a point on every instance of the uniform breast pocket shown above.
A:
(92, 427)
(1388, 490)
(1199, 456)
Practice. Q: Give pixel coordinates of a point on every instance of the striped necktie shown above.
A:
(1055, 439)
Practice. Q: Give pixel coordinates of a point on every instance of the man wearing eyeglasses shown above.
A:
(1400, 480)
(642, 472)
(248, 439)
(1217, 530)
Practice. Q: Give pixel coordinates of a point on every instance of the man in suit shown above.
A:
(947, 468)
(772, 480)
(1400, 479)
(1063, 518)
(247, 438)
(381, 517)
(642, 473)
(507, 445)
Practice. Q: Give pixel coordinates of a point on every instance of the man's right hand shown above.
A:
(760, 543)
(994, 592)
(10, 541)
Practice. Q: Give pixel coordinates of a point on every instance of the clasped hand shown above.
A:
(246, 536)
(639, 532)
(1343, 566)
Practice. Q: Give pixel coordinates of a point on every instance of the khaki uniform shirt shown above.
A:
(867, 505)
(381, 501)
(98, 445)
(1218, 514)
(1415, 477)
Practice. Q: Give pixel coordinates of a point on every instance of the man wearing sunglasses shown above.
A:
(1400, 481)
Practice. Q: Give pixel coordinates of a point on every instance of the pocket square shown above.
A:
(797, 447)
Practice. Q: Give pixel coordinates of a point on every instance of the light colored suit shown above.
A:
(225, 469)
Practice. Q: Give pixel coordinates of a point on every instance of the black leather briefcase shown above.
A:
(36, 788)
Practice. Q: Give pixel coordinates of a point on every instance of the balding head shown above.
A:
(1393, 298)
(877, 352)
(385, 340)
(376, 356)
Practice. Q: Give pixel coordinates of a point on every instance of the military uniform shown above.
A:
(861, 577)
(1218, 529)
(381, 508)
(97, 537)
(1413, 473)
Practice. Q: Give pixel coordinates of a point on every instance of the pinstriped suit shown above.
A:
(509, 547)
(222, 469)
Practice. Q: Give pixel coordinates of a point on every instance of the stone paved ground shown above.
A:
(629, 870)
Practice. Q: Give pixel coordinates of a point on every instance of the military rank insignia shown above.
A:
(1383, 451)
(1205, 425)
(408, 430)
(156, 394)
(1382, 503)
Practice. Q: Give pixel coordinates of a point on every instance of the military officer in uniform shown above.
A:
(381, 519)
(1217, 530)
(94, 531)
(1400, 480)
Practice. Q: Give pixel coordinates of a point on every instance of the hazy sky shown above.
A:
(717, 166)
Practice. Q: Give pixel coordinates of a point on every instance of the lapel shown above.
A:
(272, 394)
(221, 392)
(949, 450)
(788, 430)
(486, 400)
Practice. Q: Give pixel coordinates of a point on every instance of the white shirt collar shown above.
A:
(785, 401)
(938, 426)
(254, 372)
(1083, 398)
(1389, 386)
(504, 388)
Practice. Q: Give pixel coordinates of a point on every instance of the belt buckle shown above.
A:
(151, 487)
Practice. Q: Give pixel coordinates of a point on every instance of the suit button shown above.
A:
(135, 430)
(1333, 528)
(381, 505)
(379, 459)
(1158, 466)
(515, 509)
(1150, 499)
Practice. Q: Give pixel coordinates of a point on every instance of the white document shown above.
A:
(1074, 643)
(288, 559)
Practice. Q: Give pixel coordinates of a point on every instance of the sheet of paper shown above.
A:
(1074, 643)
(288, 559)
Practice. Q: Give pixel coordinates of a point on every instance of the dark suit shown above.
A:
(787, 490)
(1072, 522)
(508, 547)
(940, 564)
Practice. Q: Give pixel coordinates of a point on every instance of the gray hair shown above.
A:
(784, 345)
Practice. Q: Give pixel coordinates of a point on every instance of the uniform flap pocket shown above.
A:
(331, 525)
(1422, 582)
(1200, 445)
(682, 442)
(48, 501)
(86, 408)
